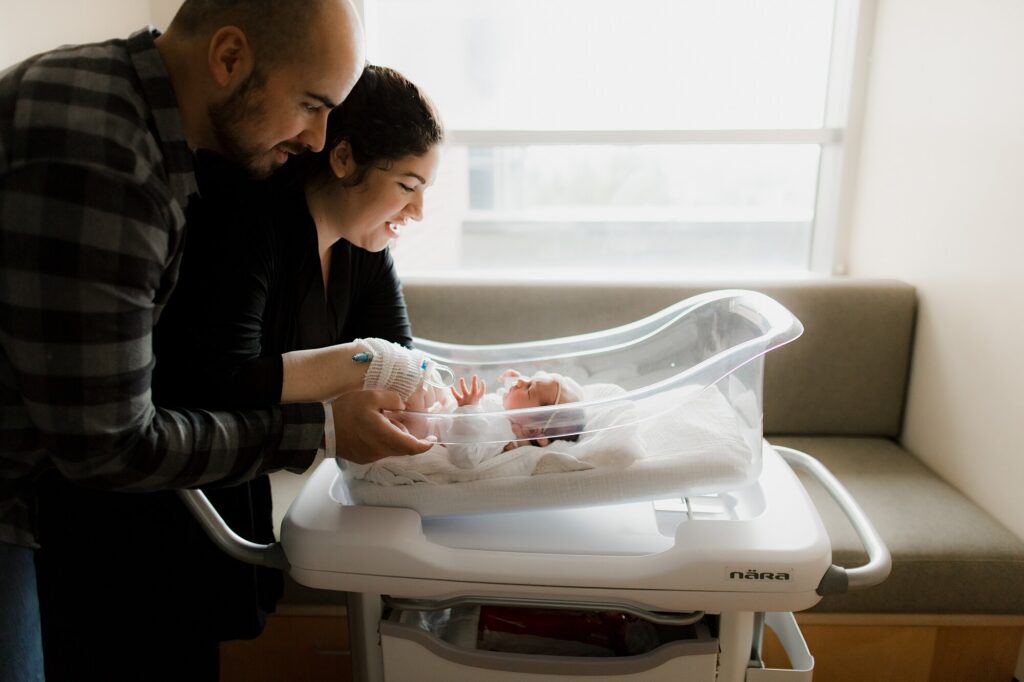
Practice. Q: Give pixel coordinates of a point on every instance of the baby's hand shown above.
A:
(472, 394)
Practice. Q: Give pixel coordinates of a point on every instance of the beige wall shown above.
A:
(31, 27)
(940, 204)
(162, 11)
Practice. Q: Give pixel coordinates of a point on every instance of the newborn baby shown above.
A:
(471, 441)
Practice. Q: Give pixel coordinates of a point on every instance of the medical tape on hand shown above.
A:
(393, 367)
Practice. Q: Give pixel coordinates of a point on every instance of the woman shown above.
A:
(333, 212)
(274, 277)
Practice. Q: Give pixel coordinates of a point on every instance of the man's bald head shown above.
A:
(278, 31)
(256, 79)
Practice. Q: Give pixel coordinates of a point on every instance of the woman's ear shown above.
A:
(230, 58)
(342, 163)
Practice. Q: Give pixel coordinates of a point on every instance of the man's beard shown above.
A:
(234, 119)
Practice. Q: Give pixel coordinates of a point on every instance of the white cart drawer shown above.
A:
(412, 653)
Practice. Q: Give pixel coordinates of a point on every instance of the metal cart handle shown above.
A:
(234, 545)
(838, 579)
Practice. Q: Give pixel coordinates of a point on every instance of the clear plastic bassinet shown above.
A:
(672, 407)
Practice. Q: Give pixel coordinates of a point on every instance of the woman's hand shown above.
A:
(424, 398)
(471, 395)
(427, 399)
(365, 434)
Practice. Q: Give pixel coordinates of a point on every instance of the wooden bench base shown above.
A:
(908, 648)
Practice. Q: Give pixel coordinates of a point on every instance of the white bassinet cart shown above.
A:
(697, 541)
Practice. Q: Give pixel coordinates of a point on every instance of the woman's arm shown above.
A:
(365, 286)
(322, 373)
(326, 373)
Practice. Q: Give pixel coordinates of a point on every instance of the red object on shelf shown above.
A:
(606, 630)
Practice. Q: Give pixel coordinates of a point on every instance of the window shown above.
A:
(659, 138)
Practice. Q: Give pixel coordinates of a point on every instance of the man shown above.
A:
(96, 149)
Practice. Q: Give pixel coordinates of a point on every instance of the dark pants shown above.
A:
(21, 649)
(130, 588)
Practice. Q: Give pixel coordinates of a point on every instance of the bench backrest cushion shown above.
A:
(847, 375)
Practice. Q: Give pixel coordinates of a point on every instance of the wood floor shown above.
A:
(299, 644)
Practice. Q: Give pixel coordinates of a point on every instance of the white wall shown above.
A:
(940, 204)
(31, 27)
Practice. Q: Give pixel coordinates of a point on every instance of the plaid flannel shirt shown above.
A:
(94, 175)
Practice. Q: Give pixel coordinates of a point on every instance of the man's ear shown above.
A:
(230, 57)
(342, 163)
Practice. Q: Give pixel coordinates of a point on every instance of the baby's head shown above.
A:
(541, 390)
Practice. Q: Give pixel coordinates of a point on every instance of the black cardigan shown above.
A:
(250, 289)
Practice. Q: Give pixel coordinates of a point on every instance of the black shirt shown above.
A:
(251, 289)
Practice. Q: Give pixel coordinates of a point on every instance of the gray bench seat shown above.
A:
(949, 556)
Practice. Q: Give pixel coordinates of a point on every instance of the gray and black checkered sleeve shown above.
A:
(83, 254)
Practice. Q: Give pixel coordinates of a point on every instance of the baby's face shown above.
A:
(531, 393)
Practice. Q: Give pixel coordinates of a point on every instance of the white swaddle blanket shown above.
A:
(612, 444)
(692, 442)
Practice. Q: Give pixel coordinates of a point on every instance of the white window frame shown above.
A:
(839, 136)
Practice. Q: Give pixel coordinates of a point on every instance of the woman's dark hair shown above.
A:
(384, 118)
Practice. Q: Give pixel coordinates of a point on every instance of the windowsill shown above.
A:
(596, 277)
